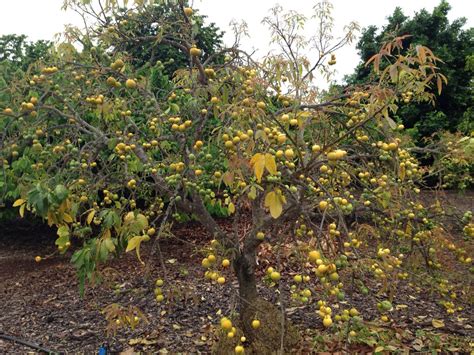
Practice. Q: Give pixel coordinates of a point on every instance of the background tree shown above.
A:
(450, 42)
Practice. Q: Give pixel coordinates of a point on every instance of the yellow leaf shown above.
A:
(437, 323)
(90, 216)
(274, 202)
(258, 163)
(135, 242)
(106, 234)
(22, 210)
(51, 218)
(231, 208)
(67, 218)
(270, 164)
(379, 349)
(18, 202)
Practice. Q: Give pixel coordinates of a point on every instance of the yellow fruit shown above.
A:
(298, 278)
(210, 72)
(314, 255)
(198, 144)
(353, 312)
(239, 349)
(195, 52)
(384, 318)
(327, 322)
(214, 100)
(289, 154)
(188, 11)
(275, 276)
(260, 235)
(225, 262)
(151, 231)
(323, 205)
(38, 259)
(322, 268)
(111, 81)
(336, 154)
(281, 138)
(8, 111)
(226, 323)
(206, 263)
(160, 298)
(261, 105)
(315, 148)
(211, 258)
(255, 324)
(159, 282)
(221, 280)
(131, 84)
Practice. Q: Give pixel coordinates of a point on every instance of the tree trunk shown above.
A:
(244, 267)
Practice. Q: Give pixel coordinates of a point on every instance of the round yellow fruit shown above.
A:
(327, 322)
(314, 255)
(195, 52)
(289, 154)
(131, 84)
(225, 262)
(323, 205)
(188, 11)
(221, 280)
(160, 298)
(38, 259)
(275, 276)
(239, 349)
(255, 324)
(226, 323)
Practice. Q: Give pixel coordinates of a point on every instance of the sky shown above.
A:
(42, 19)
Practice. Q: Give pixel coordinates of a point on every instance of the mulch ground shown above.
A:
(40, 302)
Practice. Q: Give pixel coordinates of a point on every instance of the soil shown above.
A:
(41, 303)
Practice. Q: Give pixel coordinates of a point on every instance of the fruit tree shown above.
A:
(323, 179)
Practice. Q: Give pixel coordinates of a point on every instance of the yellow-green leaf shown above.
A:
(437, 323)
(274, 202)
(19, 202)
(22, 210)
(253, 193)
(90, 216)
(109, 244)
(135, 242)
(379, 349)
(258, 163)
(270, 164)
(231, 208)
(67, 218)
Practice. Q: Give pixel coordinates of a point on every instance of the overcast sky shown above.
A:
(41, 19)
